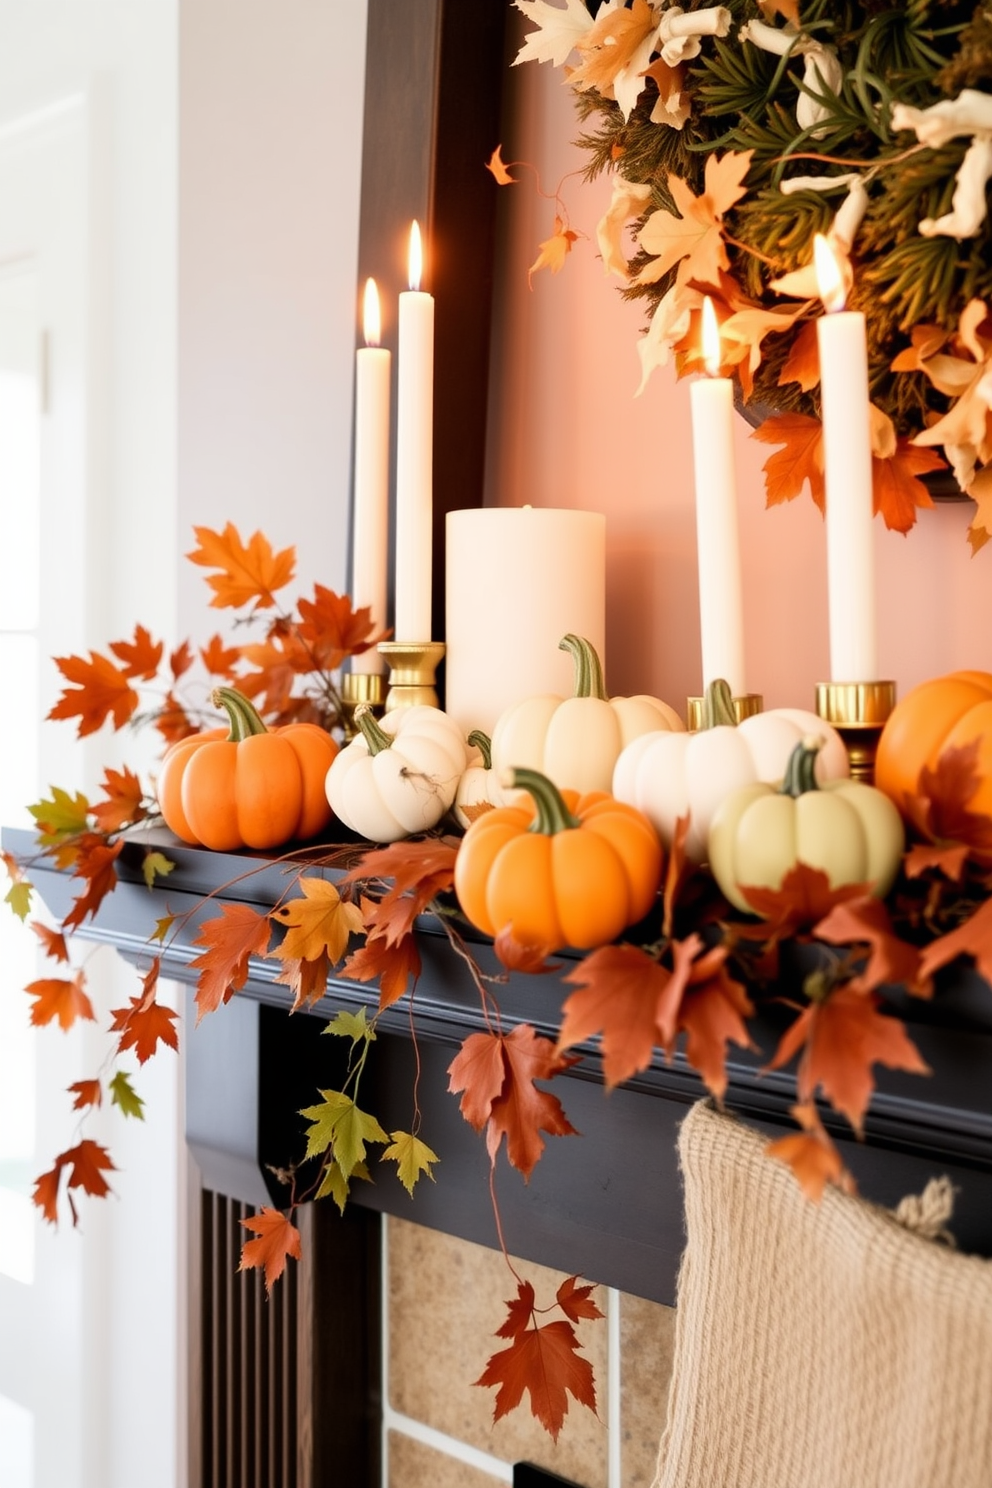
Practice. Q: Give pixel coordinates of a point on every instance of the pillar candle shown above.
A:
(414, 455)
(517, 580)
(721, 620)
(370, 518)
(848, 475)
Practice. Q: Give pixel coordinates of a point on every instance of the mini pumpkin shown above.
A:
(943, 713)
(480, 788)
(398, 775)
(246, 786)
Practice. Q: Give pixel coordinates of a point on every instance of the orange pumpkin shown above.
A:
(573, 870)
(944, 713)
(247, 786)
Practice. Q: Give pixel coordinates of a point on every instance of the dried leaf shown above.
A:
(278, 1238)
(95, 862)
(892, 961)
(811, 1155)
(320, 923)
(542, 1360)
(940, 806)
(627, 997)
(52, 941)
(553, 251)
(694, 238)
(802, 365)
(308, 979)
(498, 169)
(87, 1093)
(897, 491)
(576, 1302)
(143, 1025)
(123, 805)
(712, 1015)
(803, 898)
(497, 1072)
(231, 937)
(558, 30)
(395, 965)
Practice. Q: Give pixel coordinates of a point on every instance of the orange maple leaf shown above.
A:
(896, 490)
(416, 870)
(627, 997)
(940, 806)
(62, 998)
(973, 938)
(553, 251)
(865, 920)
(278, 1238)
(141, 657)
(180, 660)
(143, 1025)
(53, 941)
(248, 574)
(95, 862)
(693, 239)
(497, 1072)
(308, 979)
(576, 1302)
(611, 45)
(87, 1093)
(803, 898)
(172, 720)
(949, 859)
(802, 365)
(798, 463)
(231, 937)
(840, 1039)
(394, 964)
(519, 955)
(811, 1155)
(87, 1162)
(541, 1359)
(712, 1015)
(219, 660)
(46, 1193)
(499, 169)
(123, 805)
(331, 629)
(101, 691)
(318, 923)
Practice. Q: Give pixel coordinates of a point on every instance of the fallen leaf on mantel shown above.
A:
(541, 1359)
(278, 1238)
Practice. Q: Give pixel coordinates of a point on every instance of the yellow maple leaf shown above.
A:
(318, 924)
(496, 164)
(554, 250)
(694, 238)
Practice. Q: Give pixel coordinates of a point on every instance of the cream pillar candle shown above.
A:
(370, 518)
(414, 455)
(721, 617)
(848, 472)
(518, 579)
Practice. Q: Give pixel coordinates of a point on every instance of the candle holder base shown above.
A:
(358, 688)
(412, 665)
(858, 711)
(745, 706)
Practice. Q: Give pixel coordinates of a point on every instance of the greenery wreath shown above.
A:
(734, 134)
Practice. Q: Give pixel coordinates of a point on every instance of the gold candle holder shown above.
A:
(858, 711)
(412, 665)
(745, 706)
(358, 688)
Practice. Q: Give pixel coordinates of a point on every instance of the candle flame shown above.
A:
(416, 255)
(711, 339)
(829, 279)
(373, 321)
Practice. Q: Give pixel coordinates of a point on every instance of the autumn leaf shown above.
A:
(180, 660)
(95, 862)
(101, 690)
(496, 166)
(155, 865)
(87, 1162)
(712, 1014)
(219, 660)
(518, 955)
(331, 629)
(234, 935)
(307, 979)
(247, 575)
(318, 924)
(803, 898)
(497, 1072)
(412, 1158)
(353, 1026)
(866, 921)
(124, 1095)
(542, 1360)
(62, 816)
(973, 938)
(811, 1155)
(787, 9)
(141, 657)
(393, 966)
(123, 804)
(143, 1025)
(622, 992)
(417, 871)
(18, 896)
(897, 491)
(799, 463)
(46, 1193)
(277, 1239)
(940, 806)
(677, 870)
(62, 998)
(558, 30)
(576, 1302)
(838, 1041)
(553, 251)
(172, 720)
(619, 39)
(337, 1122)
(802, 365)
(87, 1093)
(694, 238)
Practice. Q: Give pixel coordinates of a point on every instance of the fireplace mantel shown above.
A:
(606, 1204)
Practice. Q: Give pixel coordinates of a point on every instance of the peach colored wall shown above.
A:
(570, 432)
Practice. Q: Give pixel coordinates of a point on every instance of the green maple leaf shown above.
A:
(339, 1121)
(62, 816)
(412, 1157)
(18, 896)
(123, 1094)
(335, 1185)
(155, 865)
(355, 1026)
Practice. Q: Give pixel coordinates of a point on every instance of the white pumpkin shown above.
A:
(480, 784)
(576, 741)
(667, 775)
(399, 774)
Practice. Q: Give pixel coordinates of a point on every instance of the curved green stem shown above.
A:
(718, 706)
(484, 745)
(800, 772)
(244, 716)
(552, 813)
(588, 667)
(375, 735)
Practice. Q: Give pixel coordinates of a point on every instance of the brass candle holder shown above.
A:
(858, 711)
(412, 668)
(745, 706)
(358, 688)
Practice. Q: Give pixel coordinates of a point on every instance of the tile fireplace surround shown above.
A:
(606, 1205)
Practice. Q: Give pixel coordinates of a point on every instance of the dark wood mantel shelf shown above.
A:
(606, 1204)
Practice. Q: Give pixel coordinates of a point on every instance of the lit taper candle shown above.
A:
(370, 518)
(721, 621)
(414, 454)
(848, 474)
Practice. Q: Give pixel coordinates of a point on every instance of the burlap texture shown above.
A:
(818, 1346)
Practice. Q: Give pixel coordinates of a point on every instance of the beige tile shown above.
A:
(413, 1465)
(446, 1300)
(647, 1338)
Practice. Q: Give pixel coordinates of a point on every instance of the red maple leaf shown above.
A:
(141, 657)
(332, 630)
(497, 1072)
(95, 861)
(840, 1039)
(143, 1025)
(231, 937)
(803, 898)
(307, 978)
(87, 1093)
(278, 1238)
(866, 920)
(123, 805)
(46, 1193)
(973, 938)
(416, 870)
(60, 997)
(52, 941)
(394, 964)
(940, 805)
(541, 1359)
(101, 691)
(897, 491)
(87, 1162)
(575, 1301)
(628, 997)
(180, 660)
(712, 1014)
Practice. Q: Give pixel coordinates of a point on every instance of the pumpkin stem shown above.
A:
(244, 716)
(800, 772)
(718, 706)
(484, 745)
(588, 667)
(374, 734)
(552, 813)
